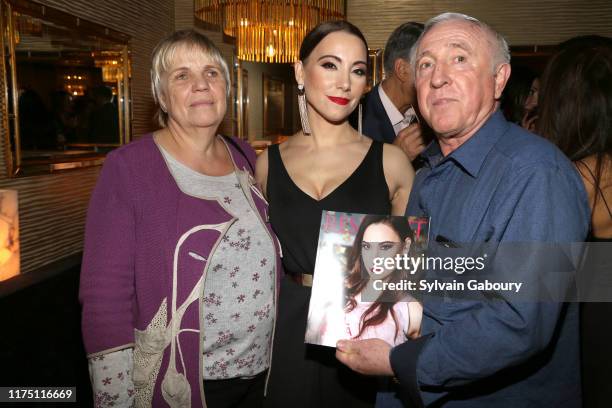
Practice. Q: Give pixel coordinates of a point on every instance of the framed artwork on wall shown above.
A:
(376, 69)
(274, 106)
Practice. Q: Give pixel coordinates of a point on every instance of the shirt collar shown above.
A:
(395, 116)
(471, 154)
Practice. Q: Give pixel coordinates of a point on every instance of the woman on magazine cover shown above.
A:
(326, 166)
(369, 311)
(178, 282)
(390, 315)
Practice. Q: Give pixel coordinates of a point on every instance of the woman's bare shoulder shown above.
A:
(395, 162)
(261, 170)
(587, 167)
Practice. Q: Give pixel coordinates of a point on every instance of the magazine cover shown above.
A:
(361, 261)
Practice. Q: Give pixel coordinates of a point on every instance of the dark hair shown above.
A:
(103, 92)
(575, 100)
(356, 279)
(322, 30)
(400, 43)
(516, 93)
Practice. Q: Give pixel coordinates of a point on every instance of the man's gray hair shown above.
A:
(400, 43)
(499, 47)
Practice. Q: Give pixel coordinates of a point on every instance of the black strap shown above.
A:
(598, 189)
(237, 146)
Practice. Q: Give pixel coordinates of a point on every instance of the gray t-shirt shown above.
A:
(239, 286)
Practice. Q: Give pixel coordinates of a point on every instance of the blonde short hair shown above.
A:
(163, 56)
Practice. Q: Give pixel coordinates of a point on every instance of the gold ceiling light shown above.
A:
(270, 30)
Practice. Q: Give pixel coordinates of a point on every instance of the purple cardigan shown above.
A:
(136, 216)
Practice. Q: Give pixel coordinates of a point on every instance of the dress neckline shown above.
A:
(338, 187)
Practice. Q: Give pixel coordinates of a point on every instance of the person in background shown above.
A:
(104, 118)
(62, 118)
(576, 115)
(486, 180)
(390, 111)
(35, 122)
(327, 165)
(179, 275)
(520, 98)
(531, 106)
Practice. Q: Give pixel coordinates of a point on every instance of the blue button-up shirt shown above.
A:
(503, 184)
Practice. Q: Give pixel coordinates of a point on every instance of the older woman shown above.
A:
(178, 283)
(326, 166)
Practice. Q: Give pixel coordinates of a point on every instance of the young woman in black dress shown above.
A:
(326, 166)
(576, 115)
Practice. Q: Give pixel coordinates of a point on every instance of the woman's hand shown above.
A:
(529, 120)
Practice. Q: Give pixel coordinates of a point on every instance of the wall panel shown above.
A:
(522, 22)
(183, 14)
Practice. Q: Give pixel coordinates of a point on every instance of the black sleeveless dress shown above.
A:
(595, 327)
(304, 375)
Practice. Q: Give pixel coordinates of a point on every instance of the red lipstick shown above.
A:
(339, 100)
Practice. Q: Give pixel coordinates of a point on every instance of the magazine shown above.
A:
(361, 263)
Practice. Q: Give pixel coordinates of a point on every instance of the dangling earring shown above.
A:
(360, 119)
(303, 110)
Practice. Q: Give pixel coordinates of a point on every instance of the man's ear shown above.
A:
(298, 67)
(402, 69)
(502, 73)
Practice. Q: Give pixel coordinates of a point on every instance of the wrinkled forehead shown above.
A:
(454, 34)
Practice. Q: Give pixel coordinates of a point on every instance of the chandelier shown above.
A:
(268, 30)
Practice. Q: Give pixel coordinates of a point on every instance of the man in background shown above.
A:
(390, 108)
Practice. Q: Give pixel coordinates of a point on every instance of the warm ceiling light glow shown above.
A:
(271, 30)
(270, 51)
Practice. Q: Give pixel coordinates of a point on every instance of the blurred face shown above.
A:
(334, 76)
(380, 241)
(194, 90)
(532, 99)
(456, 86)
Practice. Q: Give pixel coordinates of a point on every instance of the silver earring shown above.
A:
(303, 109)
(360, 119)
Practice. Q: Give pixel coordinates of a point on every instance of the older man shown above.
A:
(485, 180)
(389, 109)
